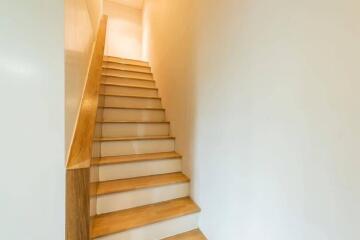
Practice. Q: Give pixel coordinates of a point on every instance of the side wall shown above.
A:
(124, 31)
(263, 99)
(32, 179)
(81, 23)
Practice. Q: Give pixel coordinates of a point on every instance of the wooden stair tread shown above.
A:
(127, 77)
(106, 61)
(134, 108)
(127, 85)
(126, 61)
(123, 220)
(128, 96)
(135, 158)
(130, 184)
(110, 139)
(191, 235)
(136, 122)
(126, 70)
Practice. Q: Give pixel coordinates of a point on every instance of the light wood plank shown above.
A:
(126, 61)
(127, 85)
(191, 235)
(140, 216)
(135, 158)
(128, 96)
(140, 183)
(77, 204)
(134, 108)
(110, 139)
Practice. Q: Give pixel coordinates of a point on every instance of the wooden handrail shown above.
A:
(81, 147)
(78, 187)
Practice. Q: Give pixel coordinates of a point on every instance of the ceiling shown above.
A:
(138, 4)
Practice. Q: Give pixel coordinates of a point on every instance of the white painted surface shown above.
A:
(123, 200)
(81, 22)
(264, 102)
(139, 169)
(138, 4)
(128, 81)
(120, 90)
(118, 148)
(124, 31)
(32, 180)
(134, 129)
(158, 230)
(115, 101)
(112, 114)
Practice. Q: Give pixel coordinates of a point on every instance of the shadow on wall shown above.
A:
(174, 66)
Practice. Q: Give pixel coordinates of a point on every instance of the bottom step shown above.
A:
(155, 221)
(192, 235)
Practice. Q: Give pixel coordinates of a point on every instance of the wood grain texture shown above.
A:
(191, 235)
(111, 139)
(77, 204)
(110, 223)
(80, 148)
(127, 85)
(128, 96)
(127, 70)
(135, 158)
(126, 61)
(140, 183)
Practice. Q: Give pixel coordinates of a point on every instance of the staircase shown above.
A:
(140, 193)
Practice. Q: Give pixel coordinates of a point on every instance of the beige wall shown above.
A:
(263, 99)
(32, 180)
(81, 22)
(124, 31)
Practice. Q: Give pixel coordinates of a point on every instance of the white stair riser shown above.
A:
(111, 114)
(127, 67)
(118, 90)
(117, 148)
(158, 230)
(134, 129)
(138, 169)
(124, 200)
(128, 81)
(128, 74)
(125, 61)
(113, 101)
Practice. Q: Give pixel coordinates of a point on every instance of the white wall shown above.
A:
(263, 99)
(32, 175)
(81, 23)
(124, 31)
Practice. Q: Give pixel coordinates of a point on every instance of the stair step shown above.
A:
(129, 76)
(135, 158)
(134, 108)
(124, 220)
(126, 61)
(136, 145)
(136, 81)
(136, 122)
(126, 69)
(112, 139)
(191, 235)
(127, 96)
(134, 129)
(117, 114)
(129, 89)
(115, 65)
(130, 184)
(127, 86)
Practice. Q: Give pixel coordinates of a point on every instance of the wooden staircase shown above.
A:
(139, 190)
